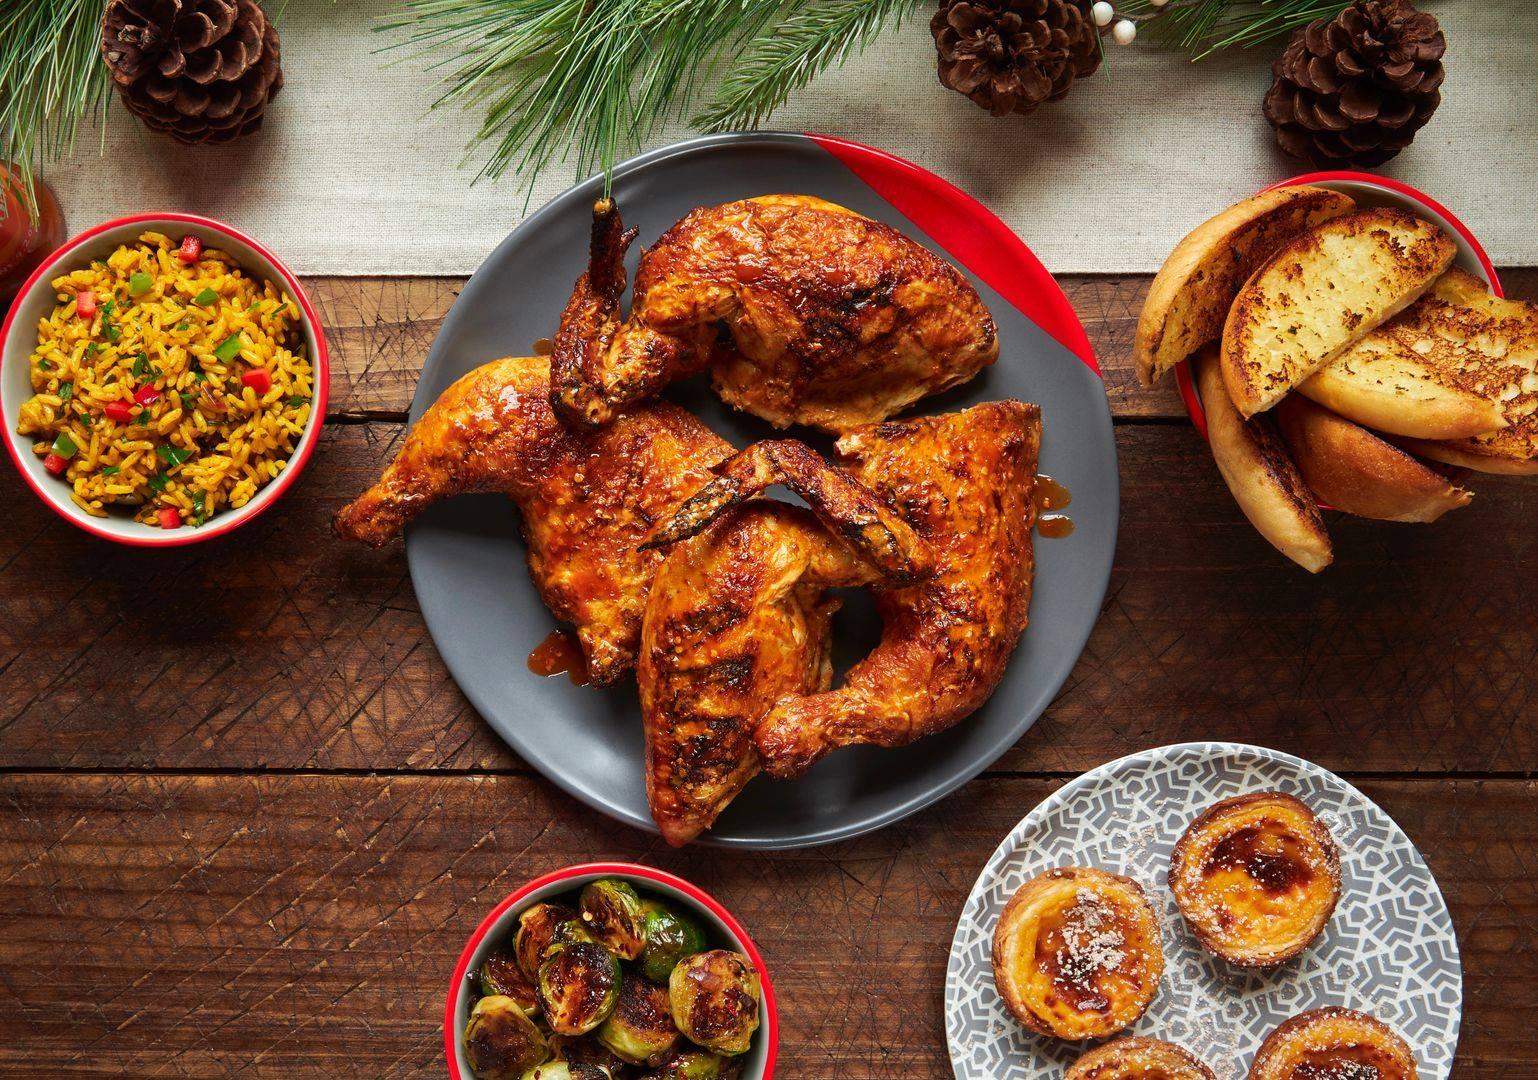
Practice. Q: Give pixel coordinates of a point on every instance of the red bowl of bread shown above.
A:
(1343, 342)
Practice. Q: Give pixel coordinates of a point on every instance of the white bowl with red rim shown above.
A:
(18, 337)
(722, 930)
(1369, 190)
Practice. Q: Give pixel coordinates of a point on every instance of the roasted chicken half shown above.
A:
(834, 320)
(964, 482)
(738, 619)
(588, 498)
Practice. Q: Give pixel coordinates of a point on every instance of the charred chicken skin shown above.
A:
(588, 498)
(738, 619)
(964, 482)
(834, 320)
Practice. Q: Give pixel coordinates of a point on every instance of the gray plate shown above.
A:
(1389, 949)
(467, 560)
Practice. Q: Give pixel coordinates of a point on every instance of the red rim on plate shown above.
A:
(771, 1026)
(971, 234)
(1183, 369)
(321, 363)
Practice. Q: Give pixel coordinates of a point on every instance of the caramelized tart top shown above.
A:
(1256, 878)
(1076, 953)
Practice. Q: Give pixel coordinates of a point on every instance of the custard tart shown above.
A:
(1333, 1044)
(1076, 953)
(1139, 1058)
(1256, 878)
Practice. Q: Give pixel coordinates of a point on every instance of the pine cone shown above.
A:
(1355, 89)
(199, 70)
(1012, 55)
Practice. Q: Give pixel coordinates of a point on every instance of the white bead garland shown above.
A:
(1102, 13)
(1124, 32)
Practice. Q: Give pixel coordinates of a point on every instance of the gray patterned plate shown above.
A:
(1389, 949)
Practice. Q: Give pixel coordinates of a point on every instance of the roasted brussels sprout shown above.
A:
(501, 974)
(695, 1065)
(586, 1050)
(669, 938)
(612, 913)
(714, 996)
(567, 1070)
(569, 932)
(501, 1042)
(640, 1030)
(578, 987)
(536, 927)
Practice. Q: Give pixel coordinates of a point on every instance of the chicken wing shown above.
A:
(738, 619)
(964, 482)
(835, 320)
(587, 498)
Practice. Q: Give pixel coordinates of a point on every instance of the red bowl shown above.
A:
(1368, 190)
(18, 337)
(499, 926)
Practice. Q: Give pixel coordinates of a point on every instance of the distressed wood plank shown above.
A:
(298, 926)
(281, 647)
(380, 330)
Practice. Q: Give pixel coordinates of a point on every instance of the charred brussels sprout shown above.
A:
(501, 1042)
(578, 987)
(714, 996)
(640, 1030)
(570, 932)
(586, 1050)
(612, 913)
(501, 974)
(669, 938)
(536, 927)
(567, 1070)
(695, 1065)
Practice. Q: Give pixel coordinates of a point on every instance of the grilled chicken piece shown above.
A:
(964, 482)
(587, 498)
(738, 619)
(836, 320)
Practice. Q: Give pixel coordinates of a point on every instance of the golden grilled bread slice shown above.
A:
(1191, 294)
(1255, 465)
(1322, 292)
(1500, 361)
(1353, 470)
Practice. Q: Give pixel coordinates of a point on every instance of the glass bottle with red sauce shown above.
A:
(25, 243)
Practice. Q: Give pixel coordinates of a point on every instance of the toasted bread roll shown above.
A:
(1323, 291)
(1494, 352)
(1258, 471)
(1392, 380)
(1191, 294)
(1455, 454)
(1353, 470)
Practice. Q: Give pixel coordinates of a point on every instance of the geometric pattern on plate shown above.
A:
(1389, 949)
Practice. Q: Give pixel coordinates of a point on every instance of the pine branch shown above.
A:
(803, 44)
(51, 76)
(1206, 26)
(592, 79)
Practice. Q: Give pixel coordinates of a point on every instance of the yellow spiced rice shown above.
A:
(182, 355)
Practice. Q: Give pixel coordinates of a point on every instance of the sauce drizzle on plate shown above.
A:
(559, 654)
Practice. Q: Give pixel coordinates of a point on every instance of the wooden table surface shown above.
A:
(249, 821)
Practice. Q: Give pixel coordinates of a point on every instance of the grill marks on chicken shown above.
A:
(588, 498)
(734, 669)
(834, 320)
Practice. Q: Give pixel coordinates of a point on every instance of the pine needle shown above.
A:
(1206, 26)
(51, 76)
(593, 79)
(770, 68)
